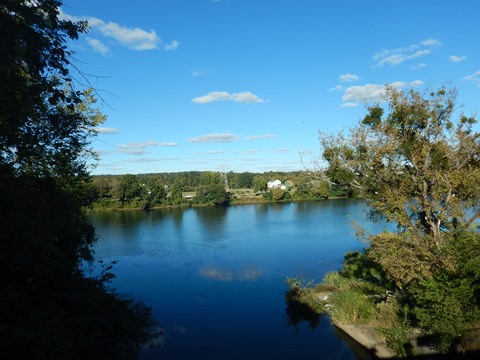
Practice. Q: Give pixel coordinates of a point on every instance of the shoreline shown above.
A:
(187, 206)
(365, 337)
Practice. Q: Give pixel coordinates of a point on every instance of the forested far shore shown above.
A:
(208, 188)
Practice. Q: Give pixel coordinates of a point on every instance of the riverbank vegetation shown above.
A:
(49, 308)
(207, 188)
(416, 161)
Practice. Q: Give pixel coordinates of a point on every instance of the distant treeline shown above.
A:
(197, 188)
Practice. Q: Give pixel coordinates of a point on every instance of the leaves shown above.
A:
(413, 164)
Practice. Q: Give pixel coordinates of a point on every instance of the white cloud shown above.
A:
(455, 58)
(132, 38)
(348, 77)
(143, 160)
(337, 88)
(416, 83)
(475, 78)
(431, 43)
(168, 144)
(198, 73)
(213, 152)
(133, 151)
(250, 152)
(419, 66)
(258, 137)
(105, 130)
(139, 145)
(367, 93)
(211, 138)
(172, 46)
(98, 46)
(400, 55)
(349, 105)
(243, 97)
(282, 151)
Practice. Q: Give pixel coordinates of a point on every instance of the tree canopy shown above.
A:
(49, 309)
(416, 162)
(418, 167)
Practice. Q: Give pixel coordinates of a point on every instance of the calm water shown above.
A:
(215, 277)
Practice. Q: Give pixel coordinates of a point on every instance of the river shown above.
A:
(215, 277)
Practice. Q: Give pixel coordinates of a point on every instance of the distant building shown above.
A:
(275, 184)
(189, 194)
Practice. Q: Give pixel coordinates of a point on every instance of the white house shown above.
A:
(275, 184)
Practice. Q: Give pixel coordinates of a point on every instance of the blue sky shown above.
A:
(245, 85)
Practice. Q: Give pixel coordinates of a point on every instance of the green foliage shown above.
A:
(396, 338)
(401, 259)
(351, 307)
(244, 180)
(130, 188)
(277, 194)
(303, 303)
(358, 265)
(211, 190)
(166, 189)
(448, 303)
(49, 309)
(417, 167)
(259, 183)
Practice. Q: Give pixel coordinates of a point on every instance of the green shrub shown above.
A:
(351, 307)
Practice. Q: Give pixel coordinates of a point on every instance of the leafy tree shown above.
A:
(417, 167)
(49, 309)
(130, 188)
(277, 194)
(103, 186)
(212, 189)
(417, 164)
(244, 180)
(259, 183)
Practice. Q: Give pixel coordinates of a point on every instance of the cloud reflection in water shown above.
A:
(247, 274)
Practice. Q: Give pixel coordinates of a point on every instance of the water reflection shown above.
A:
(212, 218)
(215, 276)
(247, 274)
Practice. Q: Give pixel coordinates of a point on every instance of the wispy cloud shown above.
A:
(475, 78)
(349, 105)
(98, 46)
(105, 130)
(455, 58)
(337, 88)
(243, 97)
(419, 66)
(400, 55)
(168, 144)
(144, 144)
(213, 152)
(133, 151)
(282, 151)
(366, 93)
(348, 77)
(145, 160)
(259, 137)
(212, 138)
(416, 83)
(172, 46)
(133, 38)
(199, 73)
